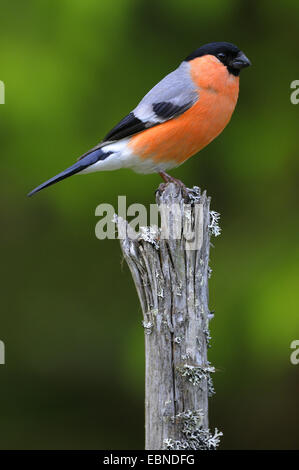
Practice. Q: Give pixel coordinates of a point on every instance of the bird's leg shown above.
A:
(165, 177)
(170, 179)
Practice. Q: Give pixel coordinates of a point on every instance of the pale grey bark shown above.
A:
(172, 284)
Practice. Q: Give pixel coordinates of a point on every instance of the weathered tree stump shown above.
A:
(171, 276)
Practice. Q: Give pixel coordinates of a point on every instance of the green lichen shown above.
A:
(214, 227)
(148, 327)
(195, 436)
(196, 374)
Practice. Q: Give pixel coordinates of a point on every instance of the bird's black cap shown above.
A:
(229, 54)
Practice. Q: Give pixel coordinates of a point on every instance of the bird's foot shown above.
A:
(170, 179)
(165, 176)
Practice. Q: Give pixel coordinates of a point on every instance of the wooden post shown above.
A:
(171, 277)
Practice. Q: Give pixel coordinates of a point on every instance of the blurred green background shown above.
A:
(70, 319)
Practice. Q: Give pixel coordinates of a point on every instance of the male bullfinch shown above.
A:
(182, 114)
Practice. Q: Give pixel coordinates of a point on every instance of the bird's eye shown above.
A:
(221, 56)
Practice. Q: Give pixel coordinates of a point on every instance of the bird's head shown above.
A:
(228, 54)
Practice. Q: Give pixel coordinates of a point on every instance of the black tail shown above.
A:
(89, 159)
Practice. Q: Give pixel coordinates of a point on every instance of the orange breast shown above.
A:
(180, 138)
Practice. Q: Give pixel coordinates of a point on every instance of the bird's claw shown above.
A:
(170, 179)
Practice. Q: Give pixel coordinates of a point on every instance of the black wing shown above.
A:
(129, 125)
(160, 112)
(167, 110)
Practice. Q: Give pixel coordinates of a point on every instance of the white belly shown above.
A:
(123, 157)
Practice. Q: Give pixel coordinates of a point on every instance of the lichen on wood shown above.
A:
(171, 278)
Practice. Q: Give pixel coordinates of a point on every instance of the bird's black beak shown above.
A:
(240, 61)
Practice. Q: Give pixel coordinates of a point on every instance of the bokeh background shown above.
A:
(70, 319)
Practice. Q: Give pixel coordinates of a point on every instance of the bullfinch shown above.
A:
(178, 117)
